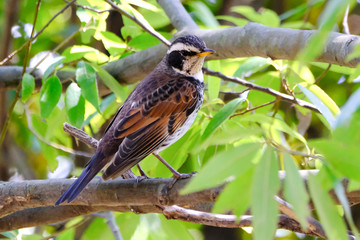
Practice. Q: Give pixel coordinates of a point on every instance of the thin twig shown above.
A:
(52, 144)
(267, 90)
(11, 55)
(17, 94)
(91, 9)
(322, 75)
(228, 221)
(58, 47)
(252, 109)
(133, 18)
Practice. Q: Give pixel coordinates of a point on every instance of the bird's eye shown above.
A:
(188, 53)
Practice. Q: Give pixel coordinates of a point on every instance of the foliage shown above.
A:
(228, 143)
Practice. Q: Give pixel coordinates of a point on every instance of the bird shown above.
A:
(158, 112)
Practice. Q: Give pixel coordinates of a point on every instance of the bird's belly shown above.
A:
(179, 132)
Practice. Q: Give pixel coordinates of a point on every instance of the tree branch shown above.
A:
(282, 96)
(251, 40)
(229, 221)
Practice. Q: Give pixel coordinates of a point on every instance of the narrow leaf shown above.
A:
(86, 78)
(111, 82)
(295, 191)
(351, 105)
(266, 185)
(240, 187)
(221, 116)
(225, 165)
(325, 111)
(49, 95)
(28, 86)
(329, 217)
(75, 105)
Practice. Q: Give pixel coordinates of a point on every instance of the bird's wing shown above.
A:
(151, 121)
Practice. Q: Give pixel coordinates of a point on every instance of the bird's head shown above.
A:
(186, 55)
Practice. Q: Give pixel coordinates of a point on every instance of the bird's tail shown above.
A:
(96, 163)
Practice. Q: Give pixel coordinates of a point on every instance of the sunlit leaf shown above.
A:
(49, 95)
(75, 105)
(319, 103)
(86, 78)
(266, 185)
(143, 4)
(28, 86)
(82, 51)
(329, 217)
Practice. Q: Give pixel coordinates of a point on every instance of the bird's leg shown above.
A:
(176, 174)
(142, 173)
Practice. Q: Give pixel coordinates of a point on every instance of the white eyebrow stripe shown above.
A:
(181, 46)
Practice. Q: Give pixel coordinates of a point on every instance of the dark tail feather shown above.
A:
(95, 165)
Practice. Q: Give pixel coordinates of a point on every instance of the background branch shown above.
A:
(251, 40)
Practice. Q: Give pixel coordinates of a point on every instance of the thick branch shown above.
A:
(251, 40)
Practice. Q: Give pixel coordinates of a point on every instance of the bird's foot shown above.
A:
(178, 176)
(141, 178)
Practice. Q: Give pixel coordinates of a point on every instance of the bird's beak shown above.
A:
(207, 51)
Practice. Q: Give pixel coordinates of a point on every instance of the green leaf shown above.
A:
(86, 78)
(28, 86)
(221, 116)
(266, 185)
(295, 191)
(320, 104)
(110, 82)
(82, 51)
(203, 13)
(347, 111)
(112, 42)
(341, 156)
(250, 66)
(224, 165)
(237, 21)
(50, 94)
(75, 105)
(52, 67)
(213, 82)
(240, 187)
(176, 229)
(266, 17)
(277, 124)
(326, 209)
